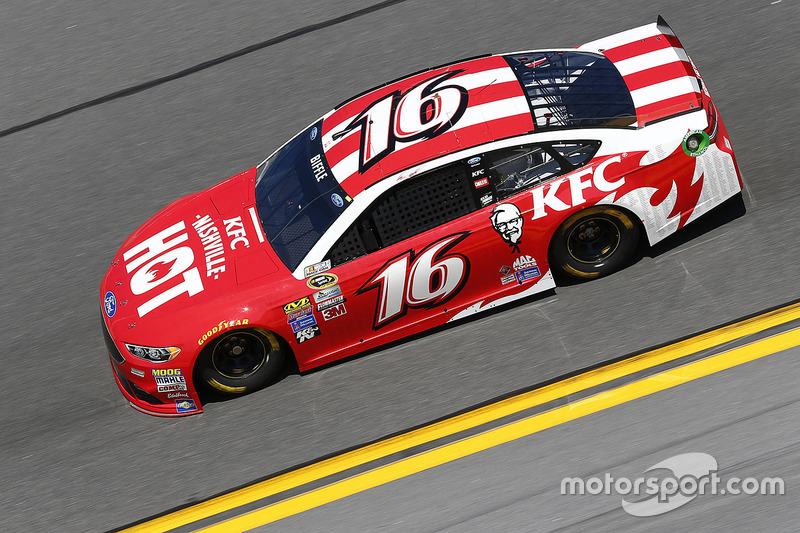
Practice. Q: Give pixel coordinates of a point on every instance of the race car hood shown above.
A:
(200, 254)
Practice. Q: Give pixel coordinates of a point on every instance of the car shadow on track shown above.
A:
(721, 215)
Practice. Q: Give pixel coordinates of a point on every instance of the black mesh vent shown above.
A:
(348, 248)
(422, 204)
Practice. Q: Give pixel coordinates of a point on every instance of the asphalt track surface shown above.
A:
(75, 457)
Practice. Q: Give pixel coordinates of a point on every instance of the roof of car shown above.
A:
(476, 101)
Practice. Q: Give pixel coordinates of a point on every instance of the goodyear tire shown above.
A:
(594, 242)
(240, 362)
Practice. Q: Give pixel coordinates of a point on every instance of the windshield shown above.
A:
(297, 196)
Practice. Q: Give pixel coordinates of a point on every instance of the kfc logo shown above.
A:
(507, 221)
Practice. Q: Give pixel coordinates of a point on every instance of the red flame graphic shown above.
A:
(160, 270)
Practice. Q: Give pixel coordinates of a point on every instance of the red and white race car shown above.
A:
(425, 200)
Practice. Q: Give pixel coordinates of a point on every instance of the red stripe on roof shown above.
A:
(642, 46)
(668, 107)
(481, 95)
(651, 76)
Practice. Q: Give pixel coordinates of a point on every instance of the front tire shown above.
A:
(594, 242)
(240, 362)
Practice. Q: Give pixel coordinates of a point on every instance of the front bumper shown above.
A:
(137, 383)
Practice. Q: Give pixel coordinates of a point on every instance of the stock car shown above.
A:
(423, 201)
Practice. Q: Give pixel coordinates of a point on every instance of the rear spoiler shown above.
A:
(657, 70)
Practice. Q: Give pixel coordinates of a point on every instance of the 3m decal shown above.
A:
(507, 221)
(333, 312)
(423, 280)
(159, 259)
(316, 268)
(222, 326)
(307, 334)
(169, 379)
(424, 111)
(212, 245)
(234, 227)
(297, 305)
(322, 281)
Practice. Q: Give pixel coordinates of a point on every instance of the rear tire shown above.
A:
(240, 362)
(594, 242)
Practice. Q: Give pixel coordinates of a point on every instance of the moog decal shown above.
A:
(423, 280)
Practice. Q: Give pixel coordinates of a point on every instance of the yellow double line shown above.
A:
(483, 415)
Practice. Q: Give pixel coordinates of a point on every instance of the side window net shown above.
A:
(522, 167)
(576, 153)
(423, 203)
(349, 247)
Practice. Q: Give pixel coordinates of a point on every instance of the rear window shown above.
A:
(573, 89)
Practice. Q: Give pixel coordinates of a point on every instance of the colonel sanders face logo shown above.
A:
(507, 221)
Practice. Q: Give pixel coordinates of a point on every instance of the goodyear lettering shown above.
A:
(318, 167)
(212, 245)
(234, 227)
(222, 326)
(577, 183)
(159, 259)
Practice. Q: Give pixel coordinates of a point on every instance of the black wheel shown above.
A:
(594, 242)
(240, 362)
